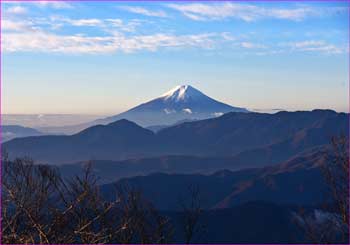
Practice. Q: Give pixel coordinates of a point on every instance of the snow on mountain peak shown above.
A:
(180, 93)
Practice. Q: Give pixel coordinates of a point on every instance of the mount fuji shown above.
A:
(180, 103)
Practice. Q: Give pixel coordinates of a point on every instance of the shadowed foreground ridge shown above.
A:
(246, 206)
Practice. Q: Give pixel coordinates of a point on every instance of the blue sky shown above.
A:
(105, 57)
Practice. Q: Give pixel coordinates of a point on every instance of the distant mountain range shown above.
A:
(110, 171)
(298, 181)
(41, 121)
(252, 138)
(10, 132)
(180, 103)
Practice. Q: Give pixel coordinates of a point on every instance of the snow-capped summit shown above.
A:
(180, 103)
(181, 93)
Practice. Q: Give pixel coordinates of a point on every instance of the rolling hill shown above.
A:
(254, 139)
(297, 181)
(10, 132)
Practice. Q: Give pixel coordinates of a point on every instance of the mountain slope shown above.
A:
(10, 132)
(118, 140)
(296, 181)
(110, 171)
(181, 102)
(235, 133)
(255, 139)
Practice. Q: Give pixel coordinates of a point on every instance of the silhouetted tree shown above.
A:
(38, 206)
(336, 174)
(331, 223)
(191, 214)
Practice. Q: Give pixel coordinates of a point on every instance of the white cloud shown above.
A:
(169, 111)
(144, 11)
(25, 37)
(53, 4)
(16, 10)
(129, 26)
(200, 11)
(228, 36)
(250, 45)
(107, 25)
(194, 17)
(187, 110)
(40, 41)
(9, 25)
(59, 20)
(293, 14)
(248, 12)
(39, 35)
(115, 22)
(315, 46)
(85, 22)
(218, 114)
(28, 36)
